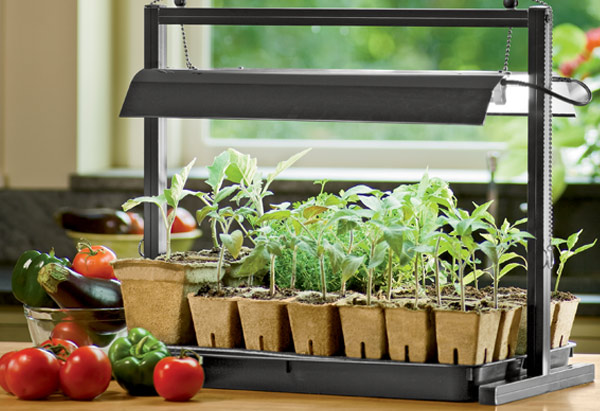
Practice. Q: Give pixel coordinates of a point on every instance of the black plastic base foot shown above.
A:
(503, 392)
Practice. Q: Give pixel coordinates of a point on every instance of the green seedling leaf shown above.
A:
(572, 239)
(274, 215)
(378, 255)
(491, 250)
(216, 171)
(508, 268)
(584, 247)
(274, 248)
(371, 202)
(225, 192)
(176, 192)
(159, 200)
(356, 190)
(284, 165)
(336, 255)
(312, 211)
(242, 167)
(233, 242)
(469, 278)
(350, 265)
(204, 212)
(256, 261)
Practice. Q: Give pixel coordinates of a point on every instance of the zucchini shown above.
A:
(72, 290)
(94, 220)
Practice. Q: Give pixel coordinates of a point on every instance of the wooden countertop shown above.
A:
(585, 397)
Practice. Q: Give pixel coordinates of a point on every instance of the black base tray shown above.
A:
(289, 372)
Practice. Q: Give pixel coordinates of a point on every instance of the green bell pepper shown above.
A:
(133, 359)
(25, 286)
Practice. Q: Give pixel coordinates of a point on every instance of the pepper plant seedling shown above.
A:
(567, 252)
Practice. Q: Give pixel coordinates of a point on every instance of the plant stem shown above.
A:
(213, 232)
(351, 241)
(389, 276)
(438, 289)
(496, 282)
(272, 282)
(424, 273)
(475, 273)
(559, 271)
(219, 267)
(323, 280)
(369, 285)
(461, 269)
(343, 289)
(416, 281)
(294, 258)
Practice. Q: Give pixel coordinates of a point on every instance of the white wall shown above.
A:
(39, 94)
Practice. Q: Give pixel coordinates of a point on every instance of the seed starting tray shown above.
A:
(242, 369)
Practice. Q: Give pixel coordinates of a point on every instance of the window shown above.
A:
(361, 145)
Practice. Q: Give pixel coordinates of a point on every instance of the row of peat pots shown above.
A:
(168, 300)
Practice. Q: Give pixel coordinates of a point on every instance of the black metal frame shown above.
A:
(537, 19)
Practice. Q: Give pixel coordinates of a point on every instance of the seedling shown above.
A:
(568, 252)
(171, 197)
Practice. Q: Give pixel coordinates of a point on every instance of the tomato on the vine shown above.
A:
(3, 364)
(178, 378)
(95, 263)
(70, 330)
(32, 374)
(184, 221)
(60, 347)
(86, 374)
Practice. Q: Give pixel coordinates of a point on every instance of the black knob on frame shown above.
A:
(511, 4)
(181, 3)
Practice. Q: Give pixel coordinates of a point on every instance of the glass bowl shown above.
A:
(84, 326)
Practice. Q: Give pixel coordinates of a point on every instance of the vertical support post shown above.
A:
(539, 201)
(155, 153)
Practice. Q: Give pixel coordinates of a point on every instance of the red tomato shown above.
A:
(32, 374)
(137, 223)
(95, 263)
(593, 39)
(70, 330)
(3, 364)
(178, 378)
(61, 348)
(86, 374)
(184, 221)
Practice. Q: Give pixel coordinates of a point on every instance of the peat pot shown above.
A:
(216, 321)
(155, 295)
(466, 338)
(316, 328)
(265, 324)
(363, 328)
(410, 334)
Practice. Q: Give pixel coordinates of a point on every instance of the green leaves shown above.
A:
(568, 42)
(233, 242)
(284, 165)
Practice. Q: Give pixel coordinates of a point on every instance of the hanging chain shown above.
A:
(507, 50)
(188, 63)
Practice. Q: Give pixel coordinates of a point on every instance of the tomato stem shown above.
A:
(189, 353)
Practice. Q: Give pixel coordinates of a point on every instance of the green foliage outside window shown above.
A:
(401, 48)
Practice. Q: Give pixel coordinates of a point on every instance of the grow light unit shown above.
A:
(366, 96)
